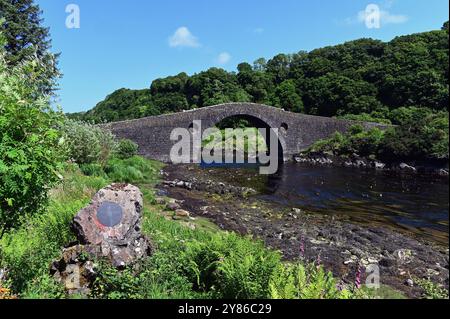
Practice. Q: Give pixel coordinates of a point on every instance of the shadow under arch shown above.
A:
(256, 122)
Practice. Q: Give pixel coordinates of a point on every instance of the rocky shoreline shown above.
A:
(357, 161)
(342, 246)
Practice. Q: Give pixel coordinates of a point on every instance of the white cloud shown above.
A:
(183, 38)
(223, 58)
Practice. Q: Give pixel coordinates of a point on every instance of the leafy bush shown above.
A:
(88, 143)
(431, 290)
(356, 140)
(27, 251)
(365, 117)
(420, 136)
(230, 267)
(132, 170)
(154, 278)
(93, 169)
(126, 149)
(43, 286)
(405, 115)
(30, 145)
(304, 282)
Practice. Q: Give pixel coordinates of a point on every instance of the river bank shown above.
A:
(356, 161)
(340, 244)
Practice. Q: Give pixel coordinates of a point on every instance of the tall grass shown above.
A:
(187, 263)
(28, 251)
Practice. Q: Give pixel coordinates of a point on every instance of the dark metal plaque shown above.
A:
(109, 214)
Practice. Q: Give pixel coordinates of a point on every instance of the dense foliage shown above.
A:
(88, 143)
(21, 24)
(126, 149)
(420, 135)
(365, 77)
(30, 144)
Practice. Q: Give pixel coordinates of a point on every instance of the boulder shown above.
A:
(160, 200)
(173, 206)
(443, 172)
(109, 228)
(74, 270)
(112, 222)
(379, 165)
(181, 214)
(406, 167)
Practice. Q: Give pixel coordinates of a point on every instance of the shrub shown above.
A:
(420, 136)
(43, 287)
(304, 282)
(132, 170)
(364, 143)
(431, 290)
(93, 169)
(31, 152)
(28, 251)
(126, 149)
(356, 140)
(364, 117)
(405, 115)
(88, 143)
(153, 278)
(230, 267)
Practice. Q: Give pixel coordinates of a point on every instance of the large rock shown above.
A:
(109, 228)
(113, 222)
(74, 270)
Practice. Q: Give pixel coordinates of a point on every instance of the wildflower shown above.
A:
(318, 261)
(358, 277)
(302, 247)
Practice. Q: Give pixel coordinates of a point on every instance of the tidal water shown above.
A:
(418, 204)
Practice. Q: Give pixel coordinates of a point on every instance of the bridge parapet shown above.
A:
(152, 134)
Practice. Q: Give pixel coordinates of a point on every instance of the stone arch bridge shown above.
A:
(296, 131)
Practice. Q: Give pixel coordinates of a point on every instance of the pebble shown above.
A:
(173, 206)
(160, 200)
(409, 282)
(181, 213)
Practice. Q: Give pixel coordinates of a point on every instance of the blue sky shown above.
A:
(129, 43)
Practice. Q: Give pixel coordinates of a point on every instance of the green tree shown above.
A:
(215, 86)
(257, 84)
(279, 67)
(122, 104)
(260, 64)
(26, 37)
(31, 152)
(421, 135)
(286, 96)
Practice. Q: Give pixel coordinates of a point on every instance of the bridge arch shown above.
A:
(256, 122)
(298, 131)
